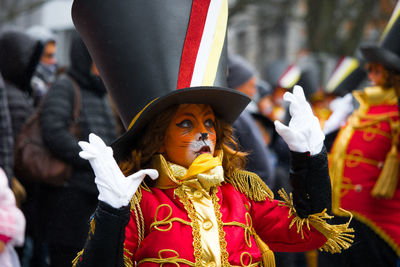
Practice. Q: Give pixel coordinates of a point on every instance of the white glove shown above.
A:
(114, 188)
(341, 108)
(304, 133)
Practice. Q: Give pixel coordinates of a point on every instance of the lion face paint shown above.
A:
(190, 133)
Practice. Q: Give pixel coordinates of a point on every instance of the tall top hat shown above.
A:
(388, 50)
(146, 50)
(346, 77)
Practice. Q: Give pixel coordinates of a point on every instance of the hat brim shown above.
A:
(381, 55)
(227, 104)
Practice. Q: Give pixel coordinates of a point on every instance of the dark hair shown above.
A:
(391, 77)
(154, 135)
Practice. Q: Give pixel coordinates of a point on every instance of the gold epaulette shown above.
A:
(338, 237)
(251, 185)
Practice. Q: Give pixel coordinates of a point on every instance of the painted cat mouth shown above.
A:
(203, 149)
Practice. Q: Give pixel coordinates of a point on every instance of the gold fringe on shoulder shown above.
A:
(251, 185)
(338, 236)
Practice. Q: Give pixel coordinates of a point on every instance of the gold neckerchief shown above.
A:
(206, 171)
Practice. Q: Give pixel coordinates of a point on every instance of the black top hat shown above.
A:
(146, 50)
(346, 77)
(388, 50)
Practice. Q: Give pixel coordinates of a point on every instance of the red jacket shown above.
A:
(356, 162)
(270, 221)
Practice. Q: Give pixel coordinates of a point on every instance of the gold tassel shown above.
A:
(268, 258)
(338, 237)
(386, 184)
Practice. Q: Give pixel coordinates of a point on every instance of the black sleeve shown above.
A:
(330, 139)
(309, 176)
(104, 246)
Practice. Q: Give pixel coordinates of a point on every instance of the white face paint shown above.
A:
(196, 148)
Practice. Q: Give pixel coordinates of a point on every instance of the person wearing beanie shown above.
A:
(241, 76)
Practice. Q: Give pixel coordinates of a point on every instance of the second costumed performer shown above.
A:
(172, 189)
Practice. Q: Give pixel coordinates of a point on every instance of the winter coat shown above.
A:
(250, 140)
(70, 206)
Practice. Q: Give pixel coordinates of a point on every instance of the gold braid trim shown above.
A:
(251, 264)
(127, 259)
(167, 220)
(170, 260)
(197, 248)
(338, 236)
(92, 228)
(248, 228)
(221, 232)
(136, 209)
(251, 185)
(75, 261)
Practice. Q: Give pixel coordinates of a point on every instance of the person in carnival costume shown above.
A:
(203, 209)
(364, 159)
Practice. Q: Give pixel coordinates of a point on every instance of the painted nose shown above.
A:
(203, 136)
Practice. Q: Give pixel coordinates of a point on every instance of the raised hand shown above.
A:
(341, 108)
(304, 132)
(114, 188)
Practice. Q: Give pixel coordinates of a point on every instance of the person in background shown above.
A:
(12, 225)
(6, 137)
(241, 76)
(67, 209)
(19, 56)
(46, 70)
(364, 160)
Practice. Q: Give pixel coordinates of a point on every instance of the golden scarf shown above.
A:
(204, 172)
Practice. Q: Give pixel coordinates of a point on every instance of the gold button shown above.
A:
(211, 264)
(207, 225)
(198, 194)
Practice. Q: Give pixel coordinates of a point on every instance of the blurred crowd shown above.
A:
(45, 225)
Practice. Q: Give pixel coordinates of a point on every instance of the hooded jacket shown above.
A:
(19, 56)
(76, 201)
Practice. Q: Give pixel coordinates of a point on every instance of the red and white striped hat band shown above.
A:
(204, 42)
(290, 77)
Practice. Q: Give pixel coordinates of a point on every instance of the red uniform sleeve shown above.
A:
(272, 223)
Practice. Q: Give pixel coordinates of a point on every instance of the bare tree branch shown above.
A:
(15, 9)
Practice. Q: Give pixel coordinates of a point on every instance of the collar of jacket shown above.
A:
(172, 175)
(376, 95)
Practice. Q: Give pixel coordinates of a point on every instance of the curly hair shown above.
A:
(154, 135)
(391, 77)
